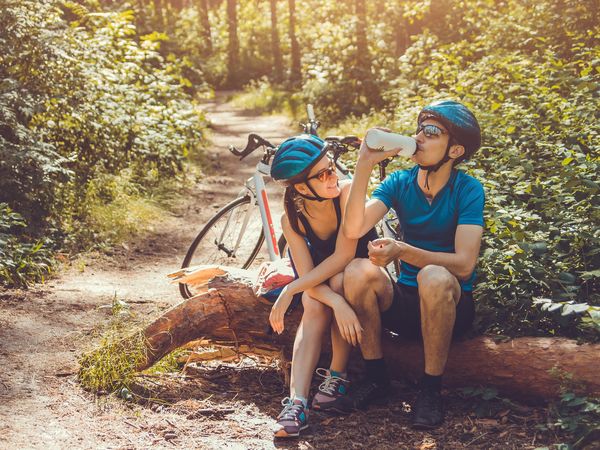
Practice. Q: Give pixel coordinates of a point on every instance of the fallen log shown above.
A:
(226, 309)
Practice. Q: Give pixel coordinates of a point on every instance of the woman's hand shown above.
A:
(279, 309)
(347, 322)
(383, 251)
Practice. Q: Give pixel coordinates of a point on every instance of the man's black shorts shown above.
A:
(403, 317)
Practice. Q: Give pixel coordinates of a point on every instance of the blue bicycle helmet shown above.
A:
(296, 156)
(460, 122)
(462, 126)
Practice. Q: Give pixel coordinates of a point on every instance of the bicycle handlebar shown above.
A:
(254, 141)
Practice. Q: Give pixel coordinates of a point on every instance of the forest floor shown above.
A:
(43, 331)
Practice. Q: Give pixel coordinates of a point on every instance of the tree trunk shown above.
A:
(296, 73)
(226, 309)
(159, 14)
(362, 46)
(276, 48)
(205, 26)
(233, 47)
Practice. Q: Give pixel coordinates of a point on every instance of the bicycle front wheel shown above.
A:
(233, 237)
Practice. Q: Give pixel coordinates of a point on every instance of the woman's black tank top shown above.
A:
(321, 249)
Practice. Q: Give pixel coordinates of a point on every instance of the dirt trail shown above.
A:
(43, 330)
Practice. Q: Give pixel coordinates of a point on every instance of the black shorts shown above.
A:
(403, 317)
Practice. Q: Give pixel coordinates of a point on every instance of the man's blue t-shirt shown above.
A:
(432, 226)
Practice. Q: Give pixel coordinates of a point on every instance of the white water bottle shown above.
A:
(379, 140)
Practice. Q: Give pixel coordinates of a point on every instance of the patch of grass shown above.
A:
(261, 97)
(111, 366)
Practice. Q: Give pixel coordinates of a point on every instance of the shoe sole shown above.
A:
(284, 434)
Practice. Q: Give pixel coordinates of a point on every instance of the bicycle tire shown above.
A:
(227, 212)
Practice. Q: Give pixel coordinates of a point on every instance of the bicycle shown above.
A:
(235, 235)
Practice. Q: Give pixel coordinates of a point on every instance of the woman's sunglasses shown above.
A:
(324, 174)
(430, 130)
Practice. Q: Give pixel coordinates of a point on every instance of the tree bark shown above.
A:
(233, 47)
(296, 72)
(276, 48)
(362, 47)
(159, 14)
(205, 26)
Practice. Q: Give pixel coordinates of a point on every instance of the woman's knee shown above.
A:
(315, 310)
(336, 283)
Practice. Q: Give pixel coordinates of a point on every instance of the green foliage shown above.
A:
(22, 260)
(87, 106)
(530, 72)
(578, 416)
(261, 97)
(486, 401)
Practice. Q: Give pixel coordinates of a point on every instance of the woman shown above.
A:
(313, 202)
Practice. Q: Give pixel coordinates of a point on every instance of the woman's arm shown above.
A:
(345, 249)
(348, 323)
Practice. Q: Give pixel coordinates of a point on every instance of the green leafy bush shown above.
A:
(22, 260)
(84, 99)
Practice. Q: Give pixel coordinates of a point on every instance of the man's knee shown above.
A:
(435, 281)
(359, 276)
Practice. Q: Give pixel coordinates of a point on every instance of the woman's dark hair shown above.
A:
(291, 206)
(293, 203)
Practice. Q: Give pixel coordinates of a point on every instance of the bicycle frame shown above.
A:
(255, 187)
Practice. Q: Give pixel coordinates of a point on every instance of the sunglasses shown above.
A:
(430, 130)
(324, 174)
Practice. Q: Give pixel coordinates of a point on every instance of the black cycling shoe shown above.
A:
(428, 411)
(363, 394)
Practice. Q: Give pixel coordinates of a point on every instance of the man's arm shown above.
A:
(359, 216)
(461, 263)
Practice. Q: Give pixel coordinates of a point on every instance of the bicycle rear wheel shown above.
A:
(221, 240)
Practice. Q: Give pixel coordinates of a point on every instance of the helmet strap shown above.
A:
(316, 197)
(435, 167)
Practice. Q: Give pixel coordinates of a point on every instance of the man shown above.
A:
(440, 210)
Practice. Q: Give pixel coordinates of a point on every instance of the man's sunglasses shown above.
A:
(430, 130)
(324, 174)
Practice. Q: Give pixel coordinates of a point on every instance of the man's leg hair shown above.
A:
(369, 291)
(439, 293)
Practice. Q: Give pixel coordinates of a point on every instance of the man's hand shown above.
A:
(279, 309)
(383, 251)
(373, 157)
(347, 322)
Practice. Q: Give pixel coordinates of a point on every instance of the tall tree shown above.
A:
(361, 30)
(205, 25)
(276, 48)
(296, 75)
(233, 47)
(159, 16)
